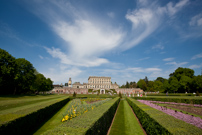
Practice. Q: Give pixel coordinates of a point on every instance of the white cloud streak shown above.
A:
(196, 56)
(168, 59)
(196, 66)
(196, 20)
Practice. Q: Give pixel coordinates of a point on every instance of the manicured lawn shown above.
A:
(125, 122)
(53, 122)
(14, 107)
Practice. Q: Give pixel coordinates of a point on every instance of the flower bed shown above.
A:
(157, 122)
(176, 100)
(76, 107)
(95, 122)
(196, 121)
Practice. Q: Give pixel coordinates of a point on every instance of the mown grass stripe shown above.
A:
(14, 113)
(53, 122)
(17, 102)
(125, 122)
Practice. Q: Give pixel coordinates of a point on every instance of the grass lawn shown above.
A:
(53, 122)
(14, 107)
(125, 122)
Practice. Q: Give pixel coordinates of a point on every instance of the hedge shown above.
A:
(29, 122)
(94, 122)
(156, 122)
(176, 100)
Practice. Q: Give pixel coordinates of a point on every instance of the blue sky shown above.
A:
(126, 40)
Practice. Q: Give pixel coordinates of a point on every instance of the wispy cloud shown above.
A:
(143, 58)
(158, 46)
(177, 64)
(147, 17)
(168, 59)
(196, 56)
(196, 20)
(196, 66)
(174, 8)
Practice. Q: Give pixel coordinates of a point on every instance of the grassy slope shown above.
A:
(25, 107)
(125, 122)
(53, 122)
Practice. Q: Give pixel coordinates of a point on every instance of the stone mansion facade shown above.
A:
(97, 83)
(94, 83)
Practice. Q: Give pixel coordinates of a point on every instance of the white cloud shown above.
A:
(143, 58)
(168, 59)
(158, 46)
(197, 56)
(176, 64)
(172, 9)
(196, 20)
(41, 57)
(196, 66)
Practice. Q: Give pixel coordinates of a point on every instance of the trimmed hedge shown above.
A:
(156, 122)
(94, 122)
(176, 100)
(29, 123)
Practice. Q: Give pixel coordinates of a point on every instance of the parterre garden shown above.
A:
(100, 114)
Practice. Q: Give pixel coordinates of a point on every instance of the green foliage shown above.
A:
(129, 85)
(7, 72)
(18, 76)
(94, 122)
(197, 83)
(142, 84)
(156, 122)
(31, 120)
(120, 95)
(90, 90)
(74, 94)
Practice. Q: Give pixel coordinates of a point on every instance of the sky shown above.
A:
(122, 39)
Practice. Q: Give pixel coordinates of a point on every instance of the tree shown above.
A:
(185, 83)
(142, 84)
(197, 83)
(7, 72)
(127, 85)
(179, 72)
(146, 80)
(25, 75)
(161, 79)
(158, 86)
(150, 86)
(174, 84)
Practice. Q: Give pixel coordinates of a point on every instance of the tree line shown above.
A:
(182, 80)
(18, 76)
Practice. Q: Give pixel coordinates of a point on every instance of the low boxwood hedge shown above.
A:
(176, 100)
(94, 122)
(156, 122)
(29, 123)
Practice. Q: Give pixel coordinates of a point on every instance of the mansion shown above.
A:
(97, 82)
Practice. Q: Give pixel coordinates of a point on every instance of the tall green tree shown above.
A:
(197, 84)
(7, 72)
(158, 86)
(185, 84)
(25, 76)
(142, 84)
(174, 84)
